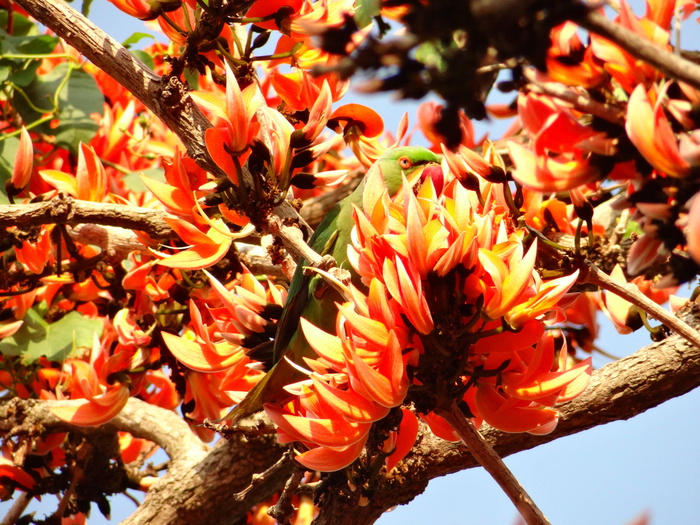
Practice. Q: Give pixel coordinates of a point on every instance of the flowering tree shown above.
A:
(157, 202)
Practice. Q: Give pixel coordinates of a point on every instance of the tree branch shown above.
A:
(488, 458)
(163, 427)
(166, 97)
(579, 101)
(66, 210)
(200, 482)
(669, 63)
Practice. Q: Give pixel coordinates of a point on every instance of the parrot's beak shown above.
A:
(432, 171)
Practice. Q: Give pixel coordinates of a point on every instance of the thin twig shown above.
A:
(17, 509)
(282, 510)
(259, 479)
(67, 210)
(488, 458)
(631, 293)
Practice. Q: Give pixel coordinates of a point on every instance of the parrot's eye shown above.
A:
(405, 163)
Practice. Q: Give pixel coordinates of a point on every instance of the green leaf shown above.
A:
(431, 54)
(365, 11)
(78, 99)
(632, 227)
(37, 45)
(5, 71)
(21, 25)
(144, 57)
(56, 341)
(24, 74)
(135, 38)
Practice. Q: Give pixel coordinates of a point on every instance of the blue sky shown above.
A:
(606, 475)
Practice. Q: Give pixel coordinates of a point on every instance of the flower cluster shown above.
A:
(454, 309)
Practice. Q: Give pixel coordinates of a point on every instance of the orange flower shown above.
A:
(649, 130)
(89, 182)
(543, 173)
(24, 161)
(92, 403)
(236, 110)
(205, 250)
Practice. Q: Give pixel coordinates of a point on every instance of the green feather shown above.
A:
(310, 296)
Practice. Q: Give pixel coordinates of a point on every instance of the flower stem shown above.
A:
(488, 458)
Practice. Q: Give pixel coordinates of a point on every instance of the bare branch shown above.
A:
(488, 458)
(631, 293)
(143, 420)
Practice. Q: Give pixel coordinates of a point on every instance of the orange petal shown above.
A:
(176, 199)
(406, 438)
(327, 346)
(85, 412)
(440, 427)
(24, 161)
(377, 386)
(373, 331)
(649, 130)
(199, 357)
(331, 459)
(508, 414)
(16, 474)
(369, 120)
(90, 175)
(348, 403)
(543, 173)
(63, 182)
(324, 432)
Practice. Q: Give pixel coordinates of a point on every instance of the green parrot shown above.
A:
(310, 296)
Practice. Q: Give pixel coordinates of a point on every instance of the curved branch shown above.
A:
(200, 482)
(143, 420)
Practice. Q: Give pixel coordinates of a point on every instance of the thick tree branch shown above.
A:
(163, 427)
(200, 482)
(69, 211)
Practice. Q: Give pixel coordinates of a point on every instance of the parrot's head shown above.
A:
(414, 163)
